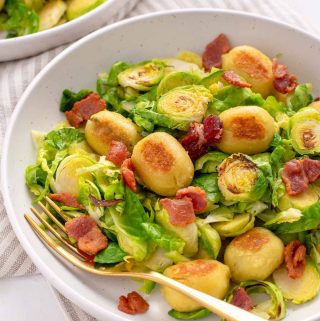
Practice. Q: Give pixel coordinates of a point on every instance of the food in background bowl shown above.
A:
(162, 135)
(22, 17)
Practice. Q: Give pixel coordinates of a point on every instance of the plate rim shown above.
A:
(61, 285)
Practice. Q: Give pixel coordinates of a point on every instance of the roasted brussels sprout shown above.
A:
(252, 65)
(162, 164)
(142, 76)
(208, 276)
(304, 131)
(176, 79)
(66, 178)
(246, 129)
(301, 289)
(188, 233)
(240, 224)
(51, 13)
(105, 126)
(187, 102)
(254, 255)
(239, 179)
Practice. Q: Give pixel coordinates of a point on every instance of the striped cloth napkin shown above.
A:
(15, 77)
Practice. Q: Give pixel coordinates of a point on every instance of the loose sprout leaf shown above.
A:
(35, 178)
(115, 70)
(110, 255)
(176, 79)
(209, 183)
(21, 20)
(209, 162)
(147, 286)
(159, 236)
(302, 96)
(69, 98)
(274, 107)
(209, 241)
(63, 138)
(309, 220)
(195, 315)
(227, 97)
(277, 307)
(133, 215)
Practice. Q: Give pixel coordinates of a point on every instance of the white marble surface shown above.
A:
(30, 298)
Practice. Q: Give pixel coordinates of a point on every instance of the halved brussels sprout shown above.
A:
(176, 79)
(274, 308)
(191, 57)
(173, 64)
(246, 129)
(142, 76)
(304, 131)
(240, 179)
(186, 102)
(240, 224)
(188, 233)
(209, 276)
(252, 65)
(301, 201)
(66, 178)
(301, 289)
(51, 13)
(31, 4)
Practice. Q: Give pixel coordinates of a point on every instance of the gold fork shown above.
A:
(217, 306)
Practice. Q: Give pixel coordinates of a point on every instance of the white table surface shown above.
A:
(31, 298)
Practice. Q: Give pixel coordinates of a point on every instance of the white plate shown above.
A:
(29, 45)
(160, 34)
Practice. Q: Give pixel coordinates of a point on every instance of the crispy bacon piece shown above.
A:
(311, 168)
(194, 142)
(283, 81)
(118, 153)
(242, 300)
(180, 211)
(295, 259)
(196, 194)
(201, 136)
(127, 173)
(83, 109)
(66, 199)
(234, 79)
(85, 231)
(133, 303)
(214, 51)
(294, 177)
(103, 202)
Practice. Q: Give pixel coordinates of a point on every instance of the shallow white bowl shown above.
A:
(29, 45)
(160, 34)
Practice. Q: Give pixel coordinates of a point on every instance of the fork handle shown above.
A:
(217, 306)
